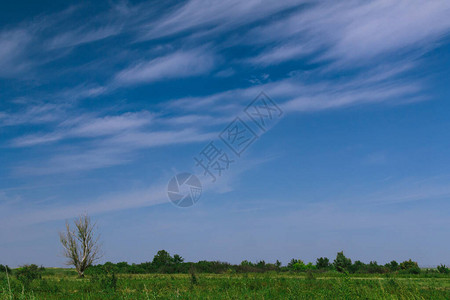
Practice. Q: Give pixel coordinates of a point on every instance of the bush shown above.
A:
(28, 273)
(296, 265)
(342, 263)
(323, 263)
(5, 269)
(194, 280)
(357, 267)
(373, 267)
(443, 269)
(409, 267)
(392, 266)
(162, 258)
(105, 277)
(310, 275)
(408, 264)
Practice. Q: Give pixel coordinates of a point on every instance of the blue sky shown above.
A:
(102, 103)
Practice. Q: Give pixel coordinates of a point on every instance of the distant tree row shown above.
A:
(82, 248)
(163, 262)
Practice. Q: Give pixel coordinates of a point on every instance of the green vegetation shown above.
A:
(168, 277)
(164, 263)
(61, 284)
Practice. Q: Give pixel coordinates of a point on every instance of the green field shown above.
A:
(64, 284)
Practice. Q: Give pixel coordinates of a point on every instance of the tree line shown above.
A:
(81, 248)
(163, 262)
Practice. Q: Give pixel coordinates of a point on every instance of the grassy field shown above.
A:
(64, 284)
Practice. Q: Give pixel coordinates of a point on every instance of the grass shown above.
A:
(64, 284)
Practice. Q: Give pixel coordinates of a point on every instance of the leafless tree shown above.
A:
(81, 245)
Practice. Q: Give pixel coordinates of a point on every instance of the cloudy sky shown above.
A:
(102, 103)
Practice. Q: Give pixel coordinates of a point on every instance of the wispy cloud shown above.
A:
(13, 60)
(87, 126)
(410, 190)
(107, 152)
(34, 113)
(374, 85)
(352, 32)
(214, 16)
(176, 65)
(82, 36)
(150, 196)
(285, 52)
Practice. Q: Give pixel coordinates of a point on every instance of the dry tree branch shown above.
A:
(81, 245)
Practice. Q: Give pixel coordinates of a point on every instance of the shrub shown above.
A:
(105, 277)
(5, 269)
(28, 273)
(246, 263)
(342, 263)
(443, 269)
(297, 265)
(408, 264)
(194, 280)
(414, 270)
(374, 267)
(162, 258)
(310, 275)
(393, 266)
(323, 263)
(177, 259)
(357, 267)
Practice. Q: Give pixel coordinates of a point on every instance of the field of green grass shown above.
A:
(64, 284)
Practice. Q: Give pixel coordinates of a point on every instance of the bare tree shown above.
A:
(81, 245)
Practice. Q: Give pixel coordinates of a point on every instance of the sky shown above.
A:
(102, 103)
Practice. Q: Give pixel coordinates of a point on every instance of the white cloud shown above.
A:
(336, 98)
(176, 65)
(381, 84)
(282, 53)
(214, 16)
(111, 151)
(374, 28)
(87, 126)
(34, 113)
(153, 195)
(158, 138)
(13, 59)
(353, 31)
(83, 36)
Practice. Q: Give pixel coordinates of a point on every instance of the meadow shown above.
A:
(65, 284)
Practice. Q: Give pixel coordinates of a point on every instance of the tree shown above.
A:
(177, 259)
(443, 269)
(81, 245)
(278, 264)
(292, 263)
(296, 265)
(5, 268)
(162, 258)
(357, 267)
(322, 263)
(341, 262)
(393, 266)
(408, 264)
